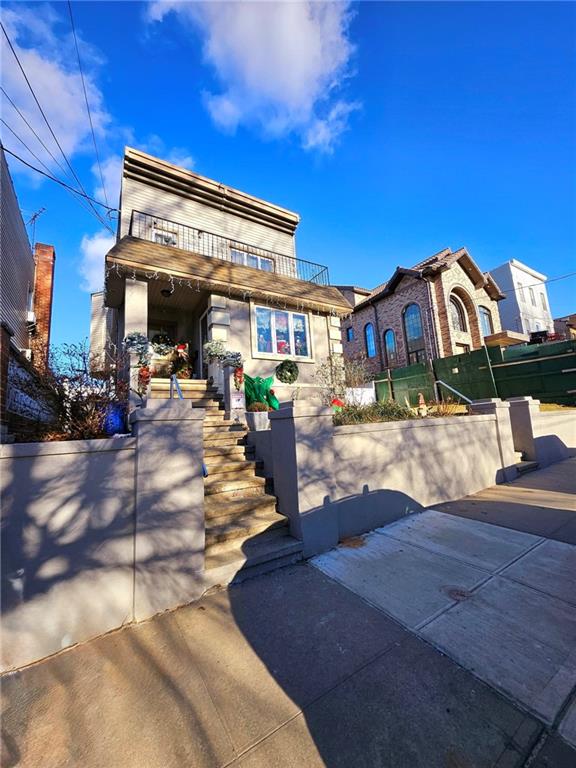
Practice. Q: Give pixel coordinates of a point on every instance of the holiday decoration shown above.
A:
(287, 372)
(258, 390)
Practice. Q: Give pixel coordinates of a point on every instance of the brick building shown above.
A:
(443, 306)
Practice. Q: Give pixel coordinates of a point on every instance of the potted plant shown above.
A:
(257, 416)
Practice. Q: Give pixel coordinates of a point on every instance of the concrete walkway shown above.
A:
(295, 670)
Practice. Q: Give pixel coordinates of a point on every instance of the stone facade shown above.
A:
(432, 293)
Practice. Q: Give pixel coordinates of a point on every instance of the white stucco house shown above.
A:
(525, 308)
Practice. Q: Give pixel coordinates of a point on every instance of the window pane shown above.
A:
(349, 334)
(370, 341)
(263, 329)
(300, 335)
(413, 327)
(251, 260)
(390, 347)
(266, 264)
(282, 333)
(457, 315)
(543, 300)
(485, 321)
(237, 256)
(532, 296)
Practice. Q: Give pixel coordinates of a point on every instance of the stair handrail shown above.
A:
(174, 383)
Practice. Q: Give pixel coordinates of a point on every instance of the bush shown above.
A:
(385, 410)
(258, 407)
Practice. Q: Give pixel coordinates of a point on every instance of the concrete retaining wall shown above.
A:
(542, 436)
(338, 482)
(98, 533)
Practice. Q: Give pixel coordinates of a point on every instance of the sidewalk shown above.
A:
(288, 670)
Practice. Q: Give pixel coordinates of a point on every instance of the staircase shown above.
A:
(245, 535)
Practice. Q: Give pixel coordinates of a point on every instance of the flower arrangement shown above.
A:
(162, 344)
(137, 343)
(215, 351)
(238, 377)
(287, 372)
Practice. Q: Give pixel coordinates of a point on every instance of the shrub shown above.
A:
(258, 407)
(385, 410)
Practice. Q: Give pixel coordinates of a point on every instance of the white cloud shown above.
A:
(93, 249)
(112, 175)
(49, 60)
(280, 64)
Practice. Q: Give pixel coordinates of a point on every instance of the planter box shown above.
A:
(257, 421)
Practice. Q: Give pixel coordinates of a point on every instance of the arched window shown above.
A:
(485, 321)
(390, 348)
(370, 340)
(457, 315)
(414, 334)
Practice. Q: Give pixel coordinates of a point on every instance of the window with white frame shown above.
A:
(164, 237)
(254, 260)
(280, 332)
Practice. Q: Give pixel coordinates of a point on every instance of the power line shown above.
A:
(62, 184)
(536, 285)
(86, 100)
(43, 164)
(46, 119)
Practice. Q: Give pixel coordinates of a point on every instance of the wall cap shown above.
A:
(381, 426)
(300, 409)
(62, 447)
(168, 410)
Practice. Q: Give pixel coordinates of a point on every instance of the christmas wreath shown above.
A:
(287, 372)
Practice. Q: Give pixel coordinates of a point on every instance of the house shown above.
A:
(443, 306)
(196, 260)
(103, 335)
(26, 290)
(565, 327)
(525, 307)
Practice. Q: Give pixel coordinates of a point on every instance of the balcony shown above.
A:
(144, 226)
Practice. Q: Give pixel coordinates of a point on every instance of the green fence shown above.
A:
(547, 372)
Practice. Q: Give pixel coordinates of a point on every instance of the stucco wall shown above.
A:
(542, 436)
(337, 482)
(97, 533)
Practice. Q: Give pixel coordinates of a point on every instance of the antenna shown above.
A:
(32, 220)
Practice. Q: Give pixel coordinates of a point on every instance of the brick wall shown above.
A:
(434, 300)
(44, 257)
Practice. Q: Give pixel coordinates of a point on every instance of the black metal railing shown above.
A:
(155, 229)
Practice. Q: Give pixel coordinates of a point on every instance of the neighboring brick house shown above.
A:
(26, 288)
(443, 306)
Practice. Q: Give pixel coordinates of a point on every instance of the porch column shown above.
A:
(135, 321)
(218, 320)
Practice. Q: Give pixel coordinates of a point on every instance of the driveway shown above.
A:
(294, 669)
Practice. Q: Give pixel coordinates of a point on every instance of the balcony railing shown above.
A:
(145, 226)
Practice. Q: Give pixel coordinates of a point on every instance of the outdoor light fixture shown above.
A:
(167, 292)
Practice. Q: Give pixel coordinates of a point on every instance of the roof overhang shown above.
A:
(505, 339)
(132, 256)
(167, 177)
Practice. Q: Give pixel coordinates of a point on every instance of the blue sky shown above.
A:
(394, 129)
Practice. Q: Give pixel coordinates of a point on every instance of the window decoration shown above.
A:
(287, 372)
(485, 321)
(248, 259)
(370, 340)
(457, 315)
(281, 332)
(414, 333)
(390, 348)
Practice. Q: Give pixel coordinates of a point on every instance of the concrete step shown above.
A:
(523, 467)
(198, 384)
(196, 397)
(217, 438)
(225, 426)
(245, 469)
(227, 452)
(239, 559)
(226, 529)
(218, 507)
(209, 403)
(218, 465)
(241, 486)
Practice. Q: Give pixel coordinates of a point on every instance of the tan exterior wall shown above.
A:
(140, 197)
(16, 261)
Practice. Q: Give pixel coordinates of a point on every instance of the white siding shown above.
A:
(138, 196)
(16, 261)
(517, 311)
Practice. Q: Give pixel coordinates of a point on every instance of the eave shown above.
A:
(144, 258)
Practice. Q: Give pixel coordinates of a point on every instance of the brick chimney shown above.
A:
(44, 258)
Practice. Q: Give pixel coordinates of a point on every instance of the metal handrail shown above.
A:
(455, 391)
(146, 226)
(174, 383)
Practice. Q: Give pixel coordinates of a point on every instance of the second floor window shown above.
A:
(370, 340)
(532, 296)
(390, 348)
(414, 333)
(251, 260)
(520, 292)
(485, 317)
(543, 300)
(165, 237)
(349, 334)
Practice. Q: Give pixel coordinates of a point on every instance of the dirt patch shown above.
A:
(353, 542)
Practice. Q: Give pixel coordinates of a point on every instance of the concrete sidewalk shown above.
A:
(288, 670)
